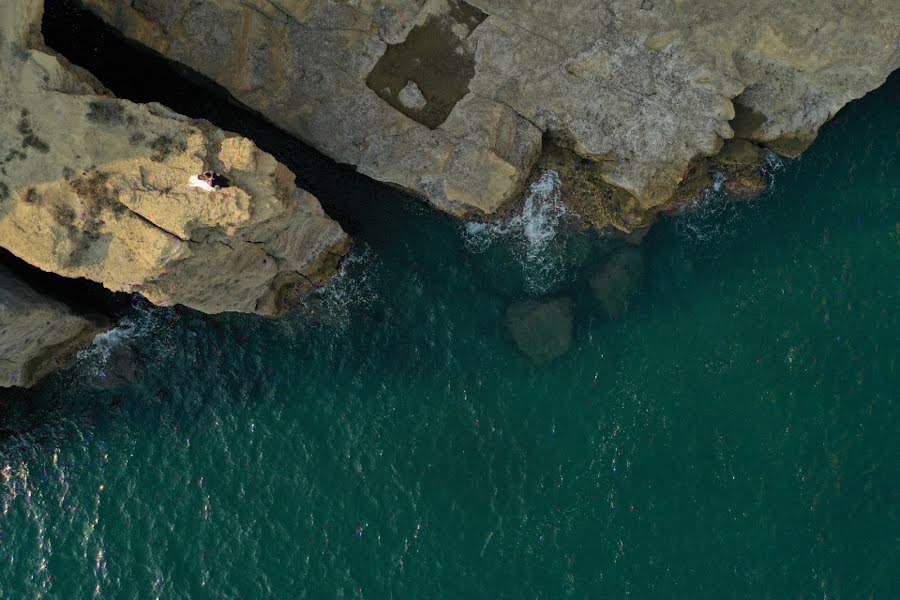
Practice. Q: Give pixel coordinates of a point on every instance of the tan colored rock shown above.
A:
(96, 187)
(37, 334)
(641, 87)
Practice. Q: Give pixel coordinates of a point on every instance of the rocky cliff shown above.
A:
(460, 101)
(37, 334)
(96, 187)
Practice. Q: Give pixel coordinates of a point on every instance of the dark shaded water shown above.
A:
(734, 434)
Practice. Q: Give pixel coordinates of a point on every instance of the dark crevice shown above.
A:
(84, 297)
(139, 74)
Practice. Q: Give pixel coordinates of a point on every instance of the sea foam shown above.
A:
(531, 232)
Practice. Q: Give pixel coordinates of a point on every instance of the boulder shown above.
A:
(96, 187)
(542, 329)
(742, 164)
(121, 367)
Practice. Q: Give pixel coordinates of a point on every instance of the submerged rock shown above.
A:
(739, 168)
(37, 334)
(120, 368)
(96, 187)
(453, 100)
(618, 280)
(541, 329)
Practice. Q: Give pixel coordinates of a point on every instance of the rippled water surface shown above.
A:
(733, 434)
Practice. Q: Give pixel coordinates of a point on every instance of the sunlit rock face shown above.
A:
(458, 101)
(96, 187)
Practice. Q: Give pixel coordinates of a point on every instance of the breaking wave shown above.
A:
(532, 233)
(142, 323)
(349, 292)
(714, 215)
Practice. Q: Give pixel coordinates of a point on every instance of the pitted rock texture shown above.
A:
(37, 334)
(97, 187)
(457, 101)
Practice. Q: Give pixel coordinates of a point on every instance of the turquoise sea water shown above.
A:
(733, 435)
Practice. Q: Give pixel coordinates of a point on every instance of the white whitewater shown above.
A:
(531, 231)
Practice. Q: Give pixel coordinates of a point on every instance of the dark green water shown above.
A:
(734, 435)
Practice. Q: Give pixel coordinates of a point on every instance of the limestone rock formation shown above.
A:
(96, 187)
(541, 329)
(37, 334)
(458, 101)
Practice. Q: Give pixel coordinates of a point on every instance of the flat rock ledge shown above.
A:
(460, 102)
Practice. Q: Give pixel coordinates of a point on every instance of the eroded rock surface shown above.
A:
(97, 187)
(542, 329)
(457, 101)
(37, 334)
